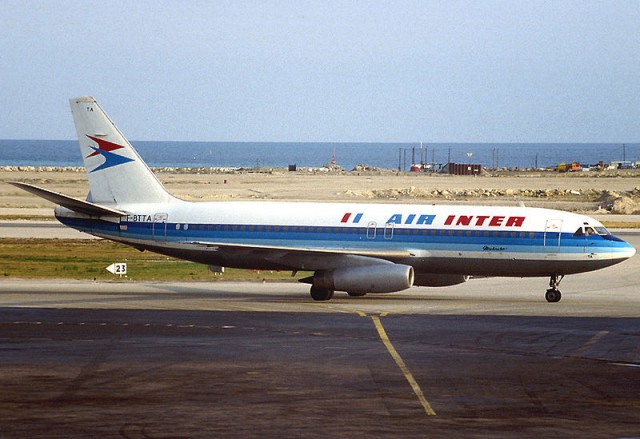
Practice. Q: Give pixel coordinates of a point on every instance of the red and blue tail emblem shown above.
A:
(105, 149)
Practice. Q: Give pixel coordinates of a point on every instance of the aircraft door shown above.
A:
(552, 234)
(388, 230)
(371, 230)
(160, 226)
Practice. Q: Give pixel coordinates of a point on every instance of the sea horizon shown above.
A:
(390, 155)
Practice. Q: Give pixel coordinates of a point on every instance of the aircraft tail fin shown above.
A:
(117, 174)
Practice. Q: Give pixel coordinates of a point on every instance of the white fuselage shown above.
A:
(452, 239)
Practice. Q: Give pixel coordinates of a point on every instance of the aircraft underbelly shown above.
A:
(519, 265)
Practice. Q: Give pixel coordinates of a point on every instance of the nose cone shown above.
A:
(621, 249)
(629, 251)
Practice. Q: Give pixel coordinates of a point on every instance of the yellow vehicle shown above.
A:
(571, 167)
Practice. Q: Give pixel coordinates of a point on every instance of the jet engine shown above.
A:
(439, 280)
(383, 278)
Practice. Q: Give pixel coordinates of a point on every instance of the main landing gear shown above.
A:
(553, 293)
(321, 294)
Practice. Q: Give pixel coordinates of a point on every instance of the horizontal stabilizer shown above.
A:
(69, 202)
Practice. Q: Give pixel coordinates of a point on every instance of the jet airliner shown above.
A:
(354, 248)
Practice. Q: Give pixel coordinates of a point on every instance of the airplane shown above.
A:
(349, 247)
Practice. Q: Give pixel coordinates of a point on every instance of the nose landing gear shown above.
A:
(553, 293)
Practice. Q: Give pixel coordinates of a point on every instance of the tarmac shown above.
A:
(39, 229)
(489, 358)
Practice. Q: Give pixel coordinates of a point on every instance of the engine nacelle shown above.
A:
(383, 278)
(439, 280)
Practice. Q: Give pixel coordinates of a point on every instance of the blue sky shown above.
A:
(361, 71)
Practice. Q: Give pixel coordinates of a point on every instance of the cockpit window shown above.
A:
(587, 230)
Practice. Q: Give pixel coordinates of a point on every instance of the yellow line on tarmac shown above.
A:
(360, 313)
(394, 354)
(589, 343)
(341, 309)
(577, 354)
(403, 367)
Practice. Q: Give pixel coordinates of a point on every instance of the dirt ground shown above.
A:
(578, 192)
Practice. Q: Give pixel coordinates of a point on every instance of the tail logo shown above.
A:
(105, 150)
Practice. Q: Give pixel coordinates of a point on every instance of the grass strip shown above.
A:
(87, 260)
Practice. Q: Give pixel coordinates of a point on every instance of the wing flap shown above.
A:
(71, 203)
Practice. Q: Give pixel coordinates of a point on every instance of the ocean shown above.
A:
(347, 155)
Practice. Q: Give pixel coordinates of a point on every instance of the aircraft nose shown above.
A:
(626, 250)
(631, 250)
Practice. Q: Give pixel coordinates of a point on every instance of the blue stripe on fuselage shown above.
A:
(357, 237)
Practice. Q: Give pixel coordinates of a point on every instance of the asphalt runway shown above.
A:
(32, 229)
(489, 358)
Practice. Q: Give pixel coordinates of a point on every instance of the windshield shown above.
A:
(587, 230)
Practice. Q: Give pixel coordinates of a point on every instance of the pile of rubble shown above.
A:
(627, 203)
(42, 168)
(614, 202)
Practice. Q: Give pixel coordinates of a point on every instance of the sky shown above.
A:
(326, 71)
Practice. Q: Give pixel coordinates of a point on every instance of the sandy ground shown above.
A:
(350, 187)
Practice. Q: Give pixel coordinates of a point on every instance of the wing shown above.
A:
(302, 258)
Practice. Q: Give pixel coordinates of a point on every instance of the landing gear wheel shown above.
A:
(321, 294)
(553, 295)
(352, 294)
